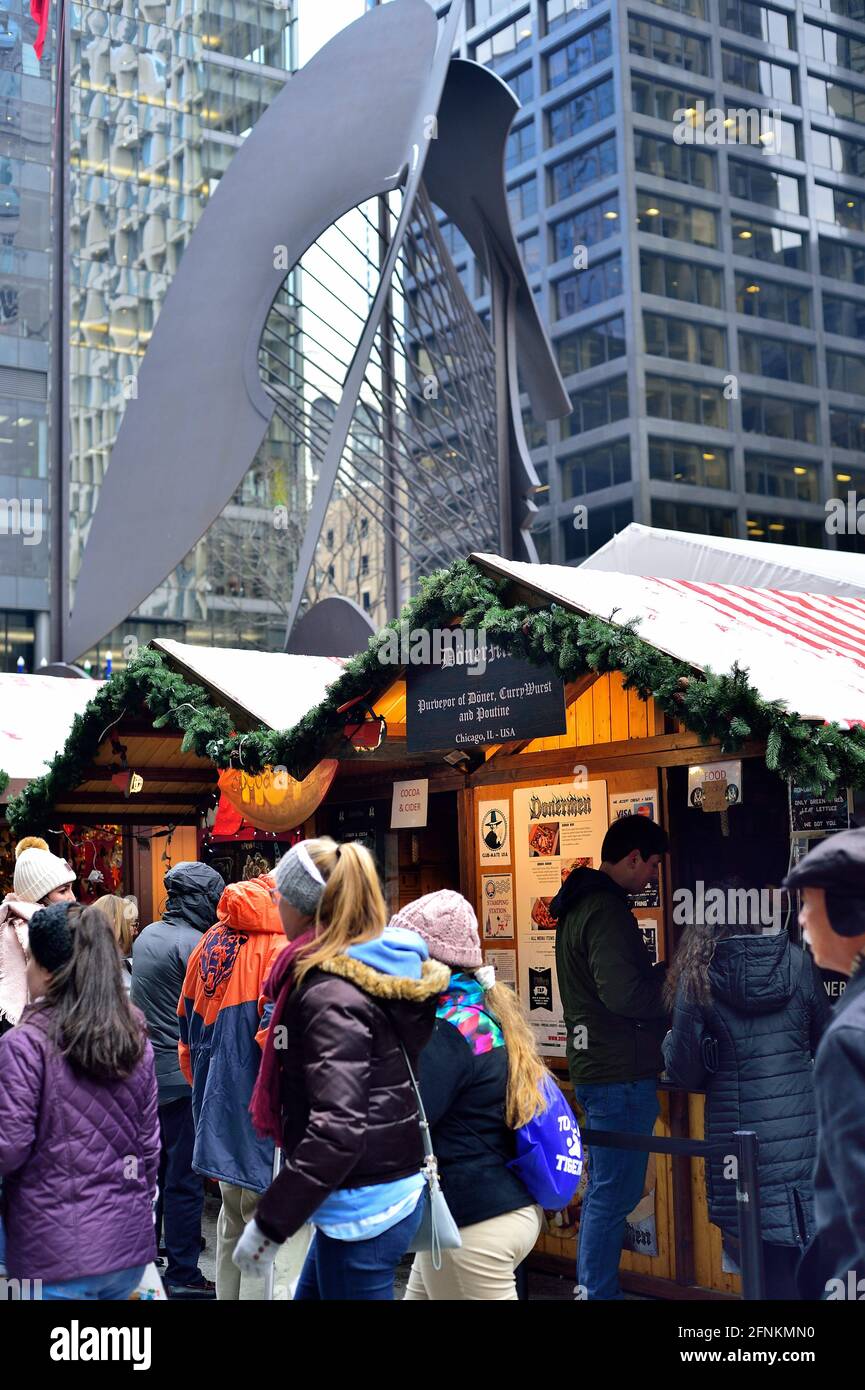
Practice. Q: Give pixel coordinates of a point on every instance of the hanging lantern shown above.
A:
(273, 800)
(364, 729)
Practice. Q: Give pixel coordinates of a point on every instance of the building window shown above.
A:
(831, 46)
(558, 12)
(762, 129)
(845, 316)
(498, 48)
(840, 206)
(585, 228)
(670, 217)
(783, 418)
(672, 46)
(685, 280)
(850, 9)
(762, 242)
(599, 468)
(684, 341)
(770, 299)
(530, 252)
(365, 600)
(785, 530)
(586, 287)
(522, 84)
(755, 74)
(599, 405)
(757, 21)
(584, 51)
(776, 357)
(690, 516)
(23, 423)
(667, 160)
(651, 97)
(688, 401)
(836, 99)
(535, 431)
(582, 169)
(521, 146)
(602, 342)
(845, 372)
(581, 111)
(842, 262)
(758, 185)
(523, 199)
(847, 429)
(771, 477)
(453, 239)
(697, 465)
(603, 524)
(17, 639)
(838, 152)
(484, 10)
(694, 9)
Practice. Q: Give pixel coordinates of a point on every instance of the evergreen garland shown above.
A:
(717, 707)
(4, 781)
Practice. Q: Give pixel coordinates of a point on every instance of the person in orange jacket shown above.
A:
(222, 1024)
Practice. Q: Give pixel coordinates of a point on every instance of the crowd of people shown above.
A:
(283, 1039)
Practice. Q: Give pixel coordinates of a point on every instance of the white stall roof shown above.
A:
(806, 649)
(717, 560)
(274, 688)
(36, 714)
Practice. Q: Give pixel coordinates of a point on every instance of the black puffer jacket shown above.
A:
(349, 1112)
(751, 1050)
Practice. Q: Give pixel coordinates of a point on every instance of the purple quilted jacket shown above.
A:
(79, 1161)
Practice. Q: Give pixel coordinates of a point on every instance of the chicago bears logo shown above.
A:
(218, 956)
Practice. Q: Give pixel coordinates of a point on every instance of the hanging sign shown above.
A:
(409, 805)
(491, 701)
(494, 827)
(729, 775)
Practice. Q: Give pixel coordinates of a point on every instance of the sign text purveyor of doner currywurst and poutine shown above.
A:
(455, 706)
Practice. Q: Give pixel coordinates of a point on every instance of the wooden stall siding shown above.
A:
(603, 713)
(707, 1238)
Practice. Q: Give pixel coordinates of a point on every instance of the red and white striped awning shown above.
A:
(807, 650)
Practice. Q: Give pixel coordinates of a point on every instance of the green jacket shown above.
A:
(611, 991)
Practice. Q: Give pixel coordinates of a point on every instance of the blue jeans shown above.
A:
(356, 1269)
(616, 1178)
(181, 1193)
(105, 1287)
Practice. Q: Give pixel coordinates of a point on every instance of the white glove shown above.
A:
(254, 1253)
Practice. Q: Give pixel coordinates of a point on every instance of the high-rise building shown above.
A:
(26, 97)
(687, 180)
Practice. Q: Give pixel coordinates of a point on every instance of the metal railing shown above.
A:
(745, 1145)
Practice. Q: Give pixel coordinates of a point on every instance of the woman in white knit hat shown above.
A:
(40, 878)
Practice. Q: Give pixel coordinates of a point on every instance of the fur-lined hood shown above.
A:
(434, 979)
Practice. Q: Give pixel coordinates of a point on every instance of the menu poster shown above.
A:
(638, 804)
(811, 813)
(505, 965)
(497, 901)
(556, 829)
(494, 837)
(649, 933)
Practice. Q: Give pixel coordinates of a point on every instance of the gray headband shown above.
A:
(298, 879)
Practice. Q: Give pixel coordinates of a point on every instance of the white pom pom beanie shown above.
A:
(37, 873)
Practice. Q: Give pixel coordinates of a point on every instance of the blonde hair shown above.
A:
(527, 1075)
(351, 908)
(122, 913)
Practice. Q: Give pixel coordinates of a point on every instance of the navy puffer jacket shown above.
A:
(751, 1050)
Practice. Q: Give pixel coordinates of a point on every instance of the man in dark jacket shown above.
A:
(159, 959)
(832, 880)
(615, 1019)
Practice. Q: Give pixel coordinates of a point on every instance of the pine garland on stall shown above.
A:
(716, 707)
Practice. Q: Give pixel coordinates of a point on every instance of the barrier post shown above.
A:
(748, 1207)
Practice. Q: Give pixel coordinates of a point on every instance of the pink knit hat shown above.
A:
(448, 925)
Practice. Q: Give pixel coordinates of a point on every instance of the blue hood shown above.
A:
(396, 952)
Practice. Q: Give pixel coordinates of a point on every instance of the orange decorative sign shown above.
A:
(273, 800)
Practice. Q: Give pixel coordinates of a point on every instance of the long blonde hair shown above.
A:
(122, 913)
(351, 908)
(527, 1076)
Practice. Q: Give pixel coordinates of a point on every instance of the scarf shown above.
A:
(265, 1107)
(14, 916)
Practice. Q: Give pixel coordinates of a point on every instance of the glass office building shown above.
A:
(25, 151)
(687, 182)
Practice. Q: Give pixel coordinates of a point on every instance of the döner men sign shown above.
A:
(498, 699)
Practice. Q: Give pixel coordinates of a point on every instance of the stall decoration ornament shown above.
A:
(272, 800)
(714, 706)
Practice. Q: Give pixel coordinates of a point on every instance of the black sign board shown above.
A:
(815, 814)
(470, 705)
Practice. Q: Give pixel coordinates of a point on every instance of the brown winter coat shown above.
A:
(348, 1109)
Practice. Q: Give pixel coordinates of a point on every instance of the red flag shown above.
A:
(39, 12)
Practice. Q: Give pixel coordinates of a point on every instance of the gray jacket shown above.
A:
(159, 958)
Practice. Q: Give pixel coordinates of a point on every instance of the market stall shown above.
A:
(735, 717)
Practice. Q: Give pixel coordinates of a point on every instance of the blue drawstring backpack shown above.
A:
(549, 1159)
